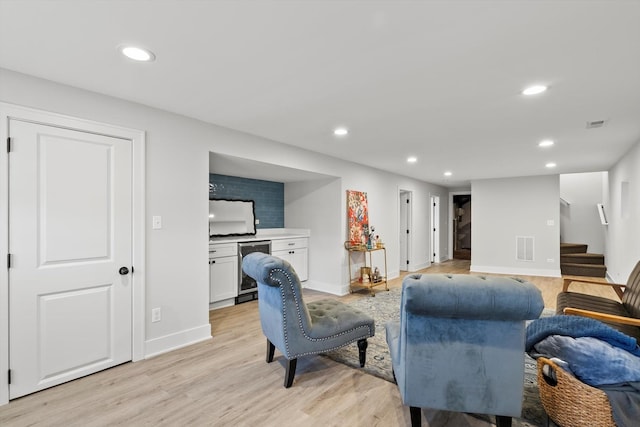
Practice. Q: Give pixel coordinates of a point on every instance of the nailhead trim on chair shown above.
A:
(299, 313)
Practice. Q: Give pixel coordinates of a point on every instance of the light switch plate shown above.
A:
(156, 223)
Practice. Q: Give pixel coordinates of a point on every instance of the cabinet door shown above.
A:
(298, 258)
(300, 263)
(223, 278)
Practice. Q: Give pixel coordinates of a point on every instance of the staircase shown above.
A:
(575, 261)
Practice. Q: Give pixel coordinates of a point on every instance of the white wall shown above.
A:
(623, 213)
(316, 205)
(177, 173)
(579, 219)
(506, 208)
(383, 191)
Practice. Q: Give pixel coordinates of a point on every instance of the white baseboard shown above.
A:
(326, 287)
(221, 304)
(419, 267)
(516, 271)
(178, 340)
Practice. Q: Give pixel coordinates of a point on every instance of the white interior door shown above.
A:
(70, 232)
(435, 229)
(405, 229)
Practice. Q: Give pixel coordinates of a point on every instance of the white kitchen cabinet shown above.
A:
(223, 272)
(296, 252)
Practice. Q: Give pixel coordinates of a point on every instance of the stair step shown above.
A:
(582, 258)
(572, 248)
(589, 270)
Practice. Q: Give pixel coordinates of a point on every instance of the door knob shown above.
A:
(123, 271)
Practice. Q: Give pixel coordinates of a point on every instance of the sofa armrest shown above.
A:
(618, 288)
(602, 316)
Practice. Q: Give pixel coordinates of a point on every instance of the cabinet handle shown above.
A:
(213, 261)
(291, 244)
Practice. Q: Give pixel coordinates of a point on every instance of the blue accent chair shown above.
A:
(298, 329)
(459, 344)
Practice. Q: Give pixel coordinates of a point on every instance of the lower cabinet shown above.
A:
(224, 267)
(223, 277)
(295, 252)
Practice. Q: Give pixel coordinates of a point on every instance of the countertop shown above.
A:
(264, 234)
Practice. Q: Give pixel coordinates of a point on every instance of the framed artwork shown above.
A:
(357, 217)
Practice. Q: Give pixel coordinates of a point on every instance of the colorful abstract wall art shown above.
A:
(357, 217)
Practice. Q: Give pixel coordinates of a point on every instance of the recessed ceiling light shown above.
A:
(550, 165)
(137, 53)
(546, 143)
(341, 131)
(447, 173)
(534, 90)
(412, 159)
(595, 124)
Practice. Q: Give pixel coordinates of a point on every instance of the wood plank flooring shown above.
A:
(225, 381)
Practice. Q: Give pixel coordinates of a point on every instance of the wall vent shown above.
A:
(524, 248)
(595, 124)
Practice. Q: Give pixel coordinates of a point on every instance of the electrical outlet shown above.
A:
(257, 221)
(156, 315)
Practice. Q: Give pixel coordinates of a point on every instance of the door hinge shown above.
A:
(8, 260)
(9, 376)
(8, 144)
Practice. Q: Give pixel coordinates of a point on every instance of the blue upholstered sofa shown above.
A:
(459, 343)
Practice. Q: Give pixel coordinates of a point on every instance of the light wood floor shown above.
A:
(225, 381)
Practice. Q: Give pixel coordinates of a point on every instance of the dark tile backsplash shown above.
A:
(267, 195)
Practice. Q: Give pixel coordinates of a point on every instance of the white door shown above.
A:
(405, 229)
(70, 232)
(435, 228)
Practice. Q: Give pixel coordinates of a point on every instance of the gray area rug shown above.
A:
(385, 306)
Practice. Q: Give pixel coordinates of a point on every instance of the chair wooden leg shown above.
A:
(502, 421)
(362, 350)
(270, 351)
(291, 372)
(416, 416)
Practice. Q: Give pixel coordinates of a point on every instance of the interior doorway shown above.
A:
(77, 292)
(461, 226)
(405, 230)
(435, 229)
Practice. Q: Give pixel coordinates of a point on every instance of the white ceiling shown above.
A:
(439, 80)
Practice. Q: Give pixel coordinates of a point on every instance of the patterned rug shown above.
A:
(385, 306)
